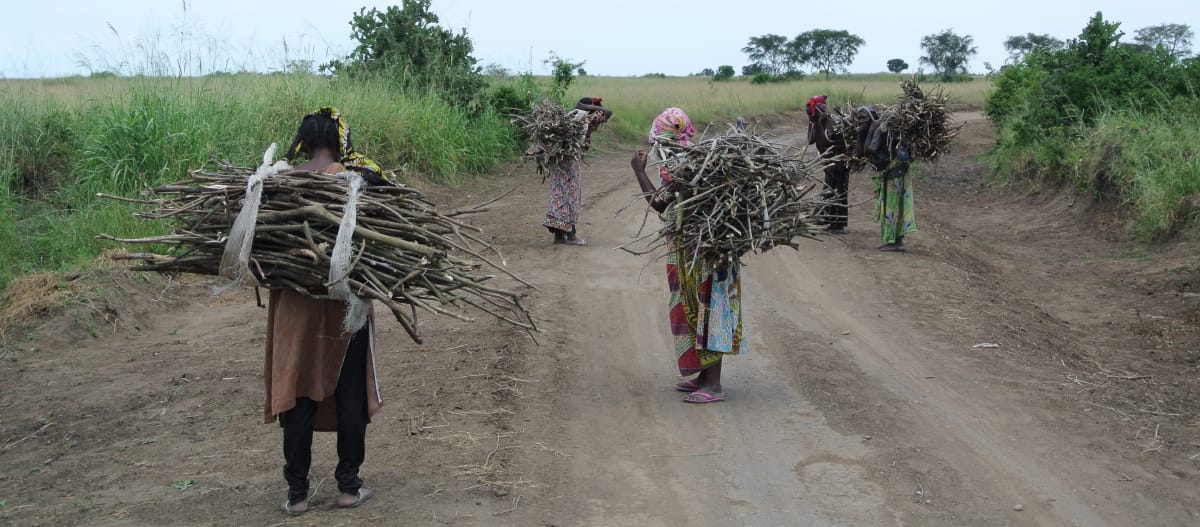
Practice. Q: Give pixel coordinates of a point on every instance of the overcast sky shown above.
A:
(49, 38)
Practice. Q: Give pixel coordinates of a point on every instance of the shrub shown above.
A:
(762, 78)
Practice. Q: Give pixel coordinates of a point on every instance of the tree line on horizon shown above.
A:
(775, 57)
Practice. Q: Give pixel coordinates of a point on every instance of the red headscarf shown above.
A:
(812, 105)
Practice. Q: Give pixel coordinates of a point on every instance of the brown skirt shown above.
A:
(304, 353)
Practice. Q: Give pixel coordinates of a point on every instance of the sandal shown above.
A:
(364, 494)
(703, 398)
(288, 510)
(686, 385)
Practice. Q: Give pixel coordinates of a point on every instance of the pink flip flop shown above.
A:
(686, 385)
(702, 398)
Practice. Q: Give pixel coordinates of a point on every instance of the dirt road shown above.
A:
(862, 401)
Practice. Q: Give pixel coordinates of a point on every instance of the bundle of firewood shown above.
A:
(405, 253)
(558, 136)
(737, 193)
(921, 121)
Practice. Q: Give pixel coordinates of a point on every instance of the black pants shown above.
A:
(837, 178)
(350, 398)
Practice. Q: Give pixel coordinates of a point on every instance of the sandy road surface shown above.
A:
(861, 402)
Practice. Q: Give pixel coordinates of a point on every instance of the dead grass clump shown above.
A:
(31, 296)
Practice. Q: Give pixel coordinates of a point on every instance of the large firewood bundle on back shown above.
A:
(403, 252)
(558, 135)
(921, 121)
(737, 193)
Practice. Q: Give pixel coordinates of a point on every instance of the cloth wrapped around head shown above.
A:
(815, 103)
(672, 124)
(346, 154)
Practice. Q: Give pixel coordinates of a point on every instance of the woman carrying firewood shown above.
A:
(893, 186)
(566, 198)
(822, 131)
(319, 375)
(705, 306)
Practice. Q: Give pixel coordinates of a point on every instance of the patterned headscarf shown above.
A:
(347, 156)
(672, 124)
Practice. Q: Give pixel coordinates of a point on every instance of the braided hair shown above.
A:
(317, 131)
(326, 128)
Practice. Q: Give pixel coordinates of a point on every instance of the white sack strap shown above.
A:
(235, 261)
(357, 308)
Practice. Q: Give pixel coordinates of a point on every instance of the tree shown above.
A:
(1020, 45)
(947, 52)
(581, 72)
(770, 52)
(495, 69)
(897, 65)
(406, 44)
(724, 73)
(826, 50)
(751, 70)
(564, 73)
(706, 72)
(1175, 38)
(1096, 39)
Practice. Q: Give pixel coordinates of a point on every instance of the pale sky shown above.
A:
(615, 37)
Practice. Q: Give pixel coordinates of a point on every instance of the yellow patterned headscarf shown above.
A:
(348, 157)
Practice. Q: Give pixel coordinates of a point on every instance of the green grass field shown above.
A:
(636, 101)
(65, 140)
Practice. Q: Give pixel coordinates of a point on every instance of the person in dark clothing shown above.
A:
(822, 132)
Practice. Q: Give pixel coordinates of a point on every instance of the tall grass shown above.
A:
(62, 141)
(1151, 161)
(1147, 161)
(66, 141)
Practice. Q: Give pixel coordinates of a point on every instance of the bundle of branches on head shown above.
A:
(559, 136)
(394, 245)
(844, 131)
(736, 193)
(921, 121)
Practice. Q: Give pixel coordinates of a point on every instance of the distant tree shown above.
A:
(654, 75)
(947, 52)
(724, 73)
(826, 50)
(897, 65)
(1020, 45)
(407, 44)
(770, 52)
(762, 77)
(495, 69)
(564, 73)
(1175, 38)
(706, 72)
(581, 72)
(300, 66)
(751, 70)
